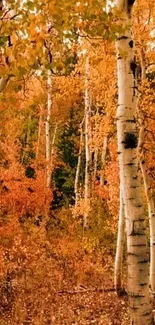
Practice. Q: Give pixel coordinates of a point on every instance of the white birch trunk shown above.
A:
(96, 151)
(53, 140)
(87, 149)
(47, 128)
(76, 183)
(151, 211)
(137, 250)
(95, 165)
(148, 187)
(118, 272)
(52, 150)
(3, 83)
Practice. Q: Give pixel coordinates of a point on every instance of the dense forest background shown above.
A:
(59, 174)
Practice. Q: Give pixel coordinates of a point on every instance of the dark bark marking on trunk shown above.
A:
(133, 67)
(122, 37)
(131, 120)
(134, 233)
(138, 245)
(130, 5)
(130, 140)
(135, 177)
(131, 44)
(130, 164)
(143, 262)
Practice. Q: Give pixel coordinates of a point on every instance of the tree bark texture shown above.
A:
(118, 282)
(147, 183)
(76, 183)
(137, 250)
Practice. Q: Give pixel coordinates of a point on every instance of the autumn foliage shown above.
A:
(45, 253)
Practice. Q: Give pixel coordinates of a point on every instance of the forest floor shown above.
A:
(59, 282)
(89, 306)
(95, 302)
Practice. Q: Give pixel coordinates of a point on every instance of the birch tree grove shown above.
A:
(69, 165)
(137, 250)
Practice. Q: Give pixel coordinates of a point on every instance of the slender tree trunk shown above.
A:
(3, 81)
(76, 184)
(47, 128)
(96, 151)
(151, 211)
(53, 140)
(118, 282)
(27, 140)
(147, 186)
(137, 250)
(87, 149)
(52, 148)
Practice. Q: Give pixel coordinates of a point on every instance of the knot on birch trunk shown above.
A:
(130, 140)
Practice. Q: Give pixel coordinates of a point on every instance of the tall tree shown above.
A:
(87, 146)
(137, 250)
(77, 174)
(147, 181)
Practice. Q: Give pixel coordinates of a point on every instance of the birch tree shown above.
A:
(118, 282)
(137, 250)
(3, 80)
(76, 184)
(87, 149)
(147, 183)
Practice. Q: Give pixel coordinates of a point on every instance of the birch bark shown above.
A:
(96, 150)
(76, 184)
(53, 141)
(151, 211)
(3, 83)
(137, 250)
(118, 282)
(147, 186)
(87, 149)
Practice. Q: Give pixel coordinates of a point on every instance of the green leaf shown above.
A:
(22, 71)
(30, 5)
(3, 40)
